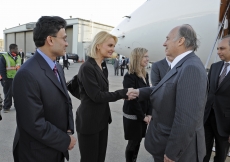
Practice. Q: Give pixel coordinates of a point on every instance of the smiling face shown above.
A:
(106, 49)
(145, 60)
(223, 50)
(171, 44)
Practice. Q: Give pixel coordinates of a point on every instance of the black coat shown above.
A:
(219, 99)
(43, 111)
(135, 129)
(93, 114)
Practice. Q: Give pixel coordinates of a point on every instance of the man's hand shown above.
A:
(132, 93)
(166, 159)
(146, 120)
(150, 117)
(72, 142)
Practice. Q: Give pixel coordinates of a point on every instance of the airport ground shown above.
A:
(116, 142)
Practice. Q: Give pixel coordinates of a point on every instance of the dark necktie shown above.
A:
(55, 71)
(169, 68)
(223, 74)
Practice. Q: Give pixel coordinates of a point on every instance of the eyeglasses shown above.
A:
(65, 39)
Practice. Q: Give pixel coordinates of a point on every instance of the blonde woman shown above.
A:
(136, 115)
(93, 115)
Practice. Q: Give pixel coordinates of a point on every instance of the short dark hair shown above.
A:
(13, 46)
(45, 26)
(225, 37)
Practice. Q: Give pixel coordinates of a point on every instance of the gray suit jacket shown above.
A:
(158, 71)
(178, 103)
(116, 63)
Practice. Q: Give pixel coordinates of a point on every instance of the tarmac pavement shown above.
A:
(116, 141)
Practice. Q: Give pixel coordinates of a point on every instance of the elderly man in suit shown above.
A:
(176, 131)
(116, 65)
(159, 69)
(43, 106)
(217, 110)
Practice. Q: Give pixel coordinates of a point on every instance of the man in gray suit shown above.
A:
(176, 131)
(159, 69)
(116, 65)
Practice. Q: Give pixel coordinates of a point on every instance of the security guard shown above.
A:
(9, 64)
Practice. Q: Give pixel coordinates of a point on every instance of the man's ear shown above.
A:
(49, 40)
(181, 41)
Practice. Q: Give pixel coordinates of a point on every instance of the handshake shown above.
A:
(132, 93)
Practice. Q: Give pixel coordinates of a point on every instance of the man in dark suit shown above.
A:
(217, 110)
(22, 55)
(122, 66)
(176, 131)
(159, 69)
(65, 61)
(116, 65)
(43, 106)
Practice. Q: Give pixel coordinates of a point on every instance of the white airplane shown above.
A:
(149, 25)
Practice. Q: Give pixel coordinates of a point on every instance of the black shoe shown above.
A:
(0, 116)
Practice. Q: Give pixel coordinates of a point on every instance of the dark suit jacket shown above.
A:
(178, 103)
(158, 71)
(93, 114)
(135, 129)
(219, 99)
(43, 111)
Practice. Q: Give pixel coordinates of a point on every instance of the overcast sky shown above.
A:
(110, 12)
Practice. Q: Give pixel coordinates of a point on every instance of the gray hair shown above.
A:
(191, 41)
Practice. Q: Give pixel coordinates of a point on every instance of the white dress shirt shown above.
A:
(179, 57)
(228, 68)
(169, 63)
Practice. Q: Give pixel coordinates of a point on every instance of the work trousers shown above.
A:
(7, 90)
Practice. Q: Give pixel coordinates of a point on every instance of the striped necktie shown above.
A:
(223, 74)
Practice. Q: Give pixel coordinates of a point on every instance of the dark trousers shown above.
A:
(122, 71)
(221, 143)
(116, 71)
(93, 146)
(65, 64)
(22, 61)
(7, 90)
(132, 150)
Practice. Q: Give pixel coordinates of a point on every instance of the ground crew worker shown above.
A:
(9, 64)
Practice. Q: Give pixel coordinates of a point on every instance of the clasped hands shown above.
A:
(132, 93)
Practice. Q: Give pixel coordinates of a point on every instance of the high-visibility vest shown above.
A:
(11, 65)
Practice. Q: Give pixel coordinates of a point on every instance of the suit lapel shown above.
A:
(165, 65)
(61, 76)
(48, 71)
(226, 79)
(92, 61)
(217, 74)
(172, 72)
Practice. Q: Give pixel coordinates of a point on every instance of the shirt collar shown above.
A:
(180, 57)
(50, 62)
(169, 63)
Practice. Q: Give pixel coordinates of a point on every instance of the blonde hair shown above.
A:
(99, 38)
(135, 62)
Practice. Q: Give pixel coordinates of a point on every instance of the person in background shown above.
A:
(65, 61)
(22, 55)
(136, 115)
(10, 62)
(116, 65)
(122, 66)
(217, 110)
(159, 69)
(93, 115)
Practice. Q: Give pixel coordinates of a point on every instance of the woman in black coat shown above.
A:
(136, 115)
(93, 115)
